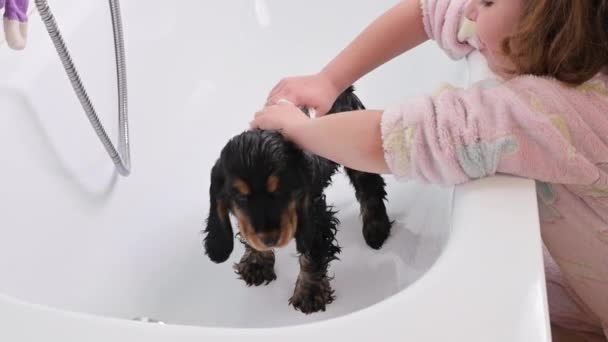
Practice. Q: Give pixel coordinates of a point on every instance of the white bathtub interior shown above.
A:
(76, 236)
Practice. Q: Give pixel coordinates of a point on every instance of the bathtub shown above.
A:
(84, 251)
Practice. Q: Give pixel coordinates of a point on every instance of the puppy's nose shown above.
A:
(270, 239)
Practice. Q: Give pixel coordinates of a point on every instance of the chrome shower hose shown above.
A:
(121, 156)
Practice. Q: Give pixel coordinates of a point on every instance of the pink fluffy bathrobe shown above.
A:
(533, 127)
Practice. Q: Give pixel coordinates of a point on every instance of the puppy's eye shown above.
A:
(240, 187)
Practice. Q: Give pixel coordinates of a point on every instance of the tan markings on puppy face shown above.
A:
(248, 233)
(272, 183)
(241, 186)
(289, 224)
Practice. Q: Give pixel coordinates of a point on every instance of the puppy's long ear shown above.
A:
(219, 241)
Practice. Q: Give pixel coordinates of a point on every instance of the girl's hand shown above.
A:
(314, 91)
(282, 116)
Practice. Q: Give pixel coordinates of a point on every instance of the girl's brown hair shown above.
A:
(565, 39)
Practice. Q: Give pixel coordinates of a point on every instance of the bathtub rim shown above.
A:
(400, 303)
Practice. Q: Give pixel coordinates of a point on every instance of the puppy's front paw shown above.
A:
(256, 268)
(312, 296)
(376, 230)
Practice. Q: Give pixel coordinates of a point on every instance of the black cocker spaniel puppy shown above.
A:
(275, 192)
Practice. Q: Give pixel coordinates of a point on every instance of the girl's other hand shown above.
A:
(312, 91)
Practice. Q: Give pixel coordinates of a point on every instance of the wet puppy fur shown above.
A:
(275, 192)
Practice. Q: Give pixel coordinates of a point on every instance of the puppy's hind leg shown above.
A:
(255, 267)
(370, 192)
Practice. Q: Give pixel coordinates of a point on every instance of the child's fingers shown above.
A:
(284, 101)
(277, 87)
(270, 101)
(279, 98)
(261, 122)
(256, 122)
(276, 90)
(321, 111)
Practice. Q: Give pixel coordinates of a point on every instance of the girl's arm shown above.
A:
(516, 128)
(351, 139)
(401, 28)
(398, 30)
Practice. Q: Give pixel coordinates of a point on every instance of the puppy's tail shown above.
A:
(346, 102)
